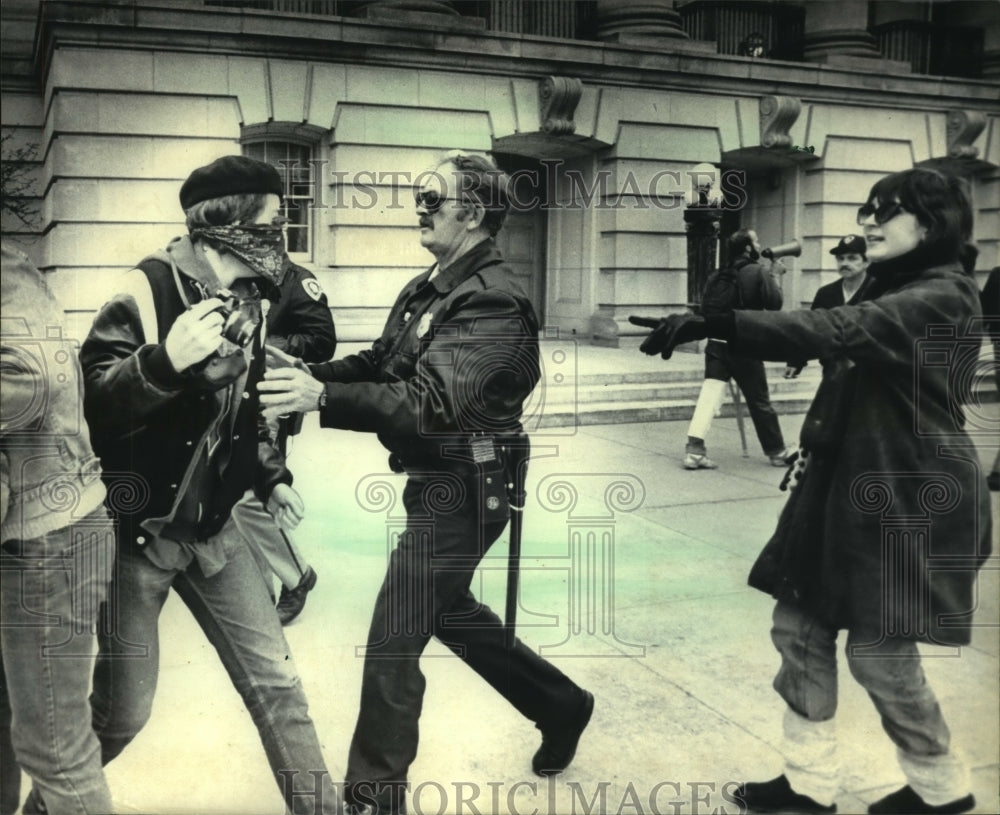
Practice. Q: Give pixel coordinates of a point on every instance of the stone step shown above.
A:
(555, 415)
(675, 402)
(659, 391)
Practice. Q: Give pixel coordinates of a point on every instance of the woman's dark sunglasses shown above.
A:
(884, 212)
(430, 200)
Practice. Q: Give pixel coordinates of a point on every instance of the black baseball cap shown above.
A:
(849, 244)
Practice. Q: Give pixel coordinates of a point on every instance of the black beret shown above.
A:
(230, 175)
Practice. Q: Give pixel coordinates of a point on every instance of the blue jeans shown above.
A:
(234, 610)
(51, 588)
(889, 669)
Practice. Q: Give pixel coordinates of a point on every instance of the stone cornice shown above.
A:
(193, 27)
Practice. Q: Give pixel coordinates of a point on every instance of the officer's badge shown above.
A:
(425, 324)
(312, 287)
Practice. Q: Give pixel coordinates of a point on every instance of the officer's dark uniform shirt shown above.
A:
(457, 358)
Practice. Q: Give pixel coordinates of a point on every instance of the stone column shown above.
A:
(646, 18)
(991, 50)
(837, 30)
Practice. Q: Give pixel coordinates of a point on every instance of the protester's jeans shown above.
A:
(427, 593)
(889, 669)
(51, 588)
(234, 610)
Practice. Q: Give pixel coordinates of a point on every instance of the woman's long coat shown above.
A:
(890, 521)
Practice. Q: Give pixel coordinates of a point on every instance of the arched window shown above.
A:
(292, 149)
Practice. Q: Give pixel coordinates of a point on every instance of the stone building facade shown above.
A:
(606, 112)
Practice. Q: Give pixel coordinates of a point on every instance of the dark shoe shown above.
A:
(558, 748)
(777, 795)
(292, 601)
(375, 798)
(907, 802)
(33, 804)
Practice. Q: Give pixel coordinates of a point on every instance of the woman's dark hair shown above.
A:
(940, 203)
(480, 178)
(242, 208)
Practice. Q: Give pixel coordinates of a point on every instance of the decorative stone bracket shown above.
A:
(777, 115)
(558, 97)
(962, 129)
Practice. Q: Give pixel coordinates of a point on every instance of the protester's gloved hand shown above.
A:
(669, 332)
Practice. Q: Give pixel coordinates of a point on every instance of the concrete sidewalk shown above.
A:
(633, 582)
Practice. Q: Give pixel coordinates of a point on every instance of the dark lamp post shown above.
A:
(701, 222)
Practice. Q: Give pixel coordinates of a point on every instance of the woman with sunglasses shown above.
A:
(888, 518)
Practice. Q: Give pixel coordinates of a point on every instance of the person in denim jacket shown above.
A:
(56, 556)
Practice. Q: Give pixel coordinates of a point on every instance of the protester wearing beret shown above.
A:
(852, 263)
(172, 364)
(883, 444)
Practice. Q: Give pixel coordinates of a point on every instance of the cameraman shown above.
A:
(444, 388)
(171, 395)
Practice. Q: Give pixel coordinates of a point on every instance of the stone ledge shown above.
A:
(859, 63)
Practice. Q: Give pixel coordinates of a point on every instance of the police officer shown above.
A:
(443, 387)
(852, 264)
(298, 323)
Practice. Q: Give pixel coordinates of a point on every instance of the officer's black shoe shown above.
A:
(776, 795)
(368, 809)
(558, 748)
(906, 802)
(374, 799)
(292, 601)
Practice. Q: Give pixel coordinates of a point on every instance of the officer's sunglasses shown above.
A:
(431, 200)
(883, 212)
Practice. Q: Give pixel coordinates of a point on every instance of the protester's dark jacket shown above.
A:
(51, 477)
(758, 284)
(299, 323)
(891, 519)
(458, 357)
(178, 449)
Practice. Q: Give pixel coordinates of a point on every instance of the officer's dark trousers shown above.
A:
(721, 363)
(426, 592)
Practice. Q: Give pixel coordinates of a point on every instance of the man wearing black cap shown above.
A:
(852, 264)
(172, 364)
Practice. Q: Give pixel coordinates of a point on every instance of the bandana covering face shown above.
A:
(261, 247)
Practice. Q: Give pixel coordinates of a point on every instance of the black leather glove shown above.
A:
(669, 332)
